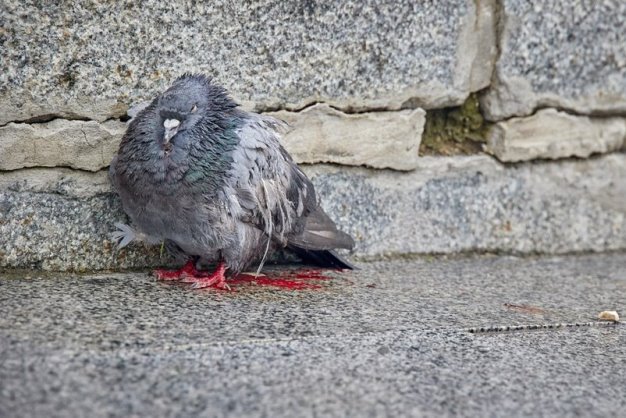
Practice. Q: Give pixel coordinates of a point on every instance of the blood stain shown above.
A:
(290, 280)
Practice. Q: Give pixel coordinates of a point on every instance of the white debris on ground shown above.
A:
(609, 316)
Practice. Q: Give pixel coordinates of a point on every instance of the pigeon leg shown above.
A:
(216, 279)
(188, 270)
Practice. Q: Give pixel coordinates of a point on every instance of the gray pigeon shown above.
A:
(198, 173)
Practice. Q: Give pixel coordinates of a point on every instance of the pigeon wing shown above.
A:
(275, 195)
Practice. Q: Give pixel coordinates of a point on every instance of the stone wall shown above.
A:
(357, 81)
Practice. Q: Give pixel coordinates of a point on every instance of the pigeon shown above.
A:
(196, 172)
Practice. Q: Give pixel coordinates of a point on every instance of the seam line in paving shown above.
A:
(530, 327)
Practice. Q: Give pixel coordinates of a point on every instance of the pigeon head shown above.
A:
(189, 100)
(180, 108)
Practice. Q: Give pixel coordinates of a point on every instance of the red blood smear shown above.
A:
(189, 268)
(292, 280)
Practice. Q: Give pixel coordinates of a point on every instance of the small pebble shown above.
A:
(609, 316)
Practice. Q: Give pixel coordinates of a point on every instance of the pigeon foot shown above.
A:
(188, 270)
(217, 279)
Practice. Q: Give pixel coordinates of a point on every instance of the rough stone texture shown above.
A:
(386, 340)
(551, 134)
(60, 143)
(570, 55)
(92, 59)
(447, 205)
(475, 204)
(59, 232)
(376, 139)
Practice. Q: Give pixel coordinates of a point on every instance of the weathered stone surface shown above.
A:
(376, 139)
(447, 205)
(77, 144)
(94, 58)
(552, 134)
(563, 54)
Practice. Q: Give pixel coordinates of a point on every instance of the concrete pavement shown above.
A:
(389, 339)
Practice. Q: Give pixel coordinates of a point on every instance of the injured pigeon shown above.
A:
(197, 172)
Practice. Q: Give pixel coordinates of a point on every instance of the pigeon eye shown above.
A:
(194, 108)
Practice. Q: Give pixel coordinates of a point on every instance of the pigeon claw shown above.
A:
(217, 279)
(218, 283)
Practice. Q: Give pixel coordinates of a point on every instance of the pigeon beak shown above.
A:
(171, 128)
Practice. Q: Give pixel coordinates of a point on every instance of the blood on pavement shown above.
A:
(291, 280)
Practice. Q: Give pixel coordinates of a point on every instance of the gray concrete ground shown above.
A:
(388, 340)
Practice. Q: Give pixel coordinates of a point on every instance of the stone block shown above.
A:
(550, 134)
(565, 54)
(375, 139)
(91, 59)
(85, 145)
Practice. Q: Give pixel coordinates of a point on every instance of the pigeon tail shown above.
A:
(322, 258)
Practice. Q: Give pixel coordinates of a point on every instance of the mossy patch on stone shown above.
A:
(454, 131)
